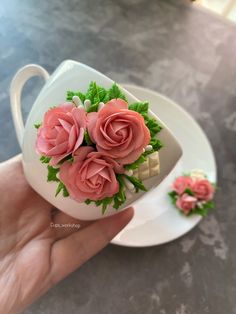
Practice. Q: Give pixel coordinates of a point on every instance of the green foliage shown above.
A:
(189, 192)
(137, 163)
(67, 158)
(37, 125)
(70, 95)
(102, 93)
(87, 138)
(173, 195)
(45, 159)
(137, 183)
(120, 197)
(114, 92)
(141, 107)
(93, 93)
(153, 125)
(52, 174)
(61, 187)
(97, 94)
(52, 177)
(204, 210)
(93, 108)
(106, 201)
(156, 144)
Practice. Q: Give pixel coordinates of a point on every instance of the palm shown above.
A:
(33, 254)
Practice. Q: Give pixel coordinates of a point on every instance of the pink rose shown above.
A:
(186, 203)
(91, 175)
(203, 190)
(62, 132)
(119, 132)
(182, 183)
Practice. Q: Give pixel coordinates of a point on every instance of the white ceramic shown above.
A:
(71, 75)
(156, 221)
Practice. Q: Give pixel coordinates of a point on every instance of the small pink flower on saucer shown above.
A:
(186, 203)
(193, 193)
(61, 132)
(203, 189)
(182, 183)
(119, 132)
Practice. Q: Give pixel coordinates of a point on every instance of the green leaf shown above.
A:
(173, 196)
(98, 203)
(106, 98)
(102, 93)
(137, 163)
(52, 174)
(67, 158)
(199, 211)
(209, 205)
(61, 187)
(136, 182)
(65, 191)
(156, 143)
(106, 201)
(92, 93)
(70, 95)
(120, 197)
(87, 138)
(189, 192)
(115, 92)
(45, 159)
(37, 125)
(93, 108)
(154, 126)
(141, 107)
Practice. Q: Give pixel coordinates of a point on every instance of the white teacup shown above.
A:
(71, 75)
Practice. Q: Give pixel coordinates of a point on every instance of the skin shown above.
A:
(34, 256)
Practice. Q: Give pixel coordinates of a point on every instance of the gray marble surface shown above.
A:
(182, 52)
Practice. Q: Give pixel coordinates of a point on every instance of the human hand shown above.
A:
(34, 256)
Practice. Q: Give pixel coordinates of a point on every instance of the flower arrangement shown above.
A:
(193, 193)
(97, 147)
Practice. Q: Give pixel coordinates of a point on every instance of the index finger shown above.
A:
(70, 253)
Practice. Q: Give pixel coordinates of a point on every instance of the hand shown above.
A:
(34, 256)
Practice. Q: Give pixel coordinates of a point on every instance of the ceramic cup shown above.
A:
(71, 75)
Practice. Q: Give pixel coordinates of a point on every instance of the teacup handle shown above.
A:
(16, 87)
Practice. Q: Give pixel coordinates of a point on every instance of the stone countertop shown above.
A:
(178, 50)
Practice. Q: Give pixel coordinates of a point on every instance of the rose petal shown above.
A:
(91, 123)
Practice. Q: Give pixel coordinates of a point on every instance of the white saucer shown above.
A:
(156, 221)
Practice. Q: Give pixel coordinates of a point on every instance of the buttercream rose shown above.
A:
(118, 132)
(203, 190)
(91, 175)
(61, 132)
(182, 183)
(186, 203)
